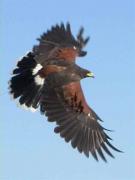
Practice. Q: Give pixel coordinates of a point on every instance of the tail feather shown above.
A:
(23, 85)
(19, 83)
(29, 94)
(37, 98)
(27, 63)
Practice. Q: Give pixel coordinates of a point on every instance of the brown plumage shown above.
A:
(76, 121)
(68, 54)
(59, 43)
(48, 78)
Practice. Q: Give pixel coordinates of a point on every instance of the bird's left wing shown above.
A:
(76, 121)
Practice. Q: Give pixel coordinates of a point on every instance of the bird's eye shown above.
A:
(74, 47)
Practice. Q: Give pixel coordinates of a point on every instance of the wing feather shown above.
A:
(76, 121)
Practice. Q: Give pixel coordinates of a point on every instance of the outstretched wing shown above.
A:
(50, 43)
(59, 43)
(76, 121)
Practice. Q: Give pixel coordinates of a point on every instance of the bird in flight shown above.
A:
(49, 78)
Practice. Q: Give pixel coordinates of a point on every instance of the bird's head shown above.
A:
(81, 72)
(85, 73)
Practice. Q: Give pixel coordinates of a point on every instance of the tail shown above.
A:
(26, 84)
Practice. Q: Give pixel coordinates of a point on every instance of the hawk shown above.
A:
(49, 78)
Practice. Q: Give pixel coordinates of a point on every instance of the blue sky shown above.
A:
(29, 148)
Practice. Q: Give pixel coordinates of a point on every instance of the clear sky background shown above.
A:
(29, 148)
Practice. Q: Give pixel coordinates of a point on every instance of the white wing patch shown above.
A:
(39, 80)
(36, 69)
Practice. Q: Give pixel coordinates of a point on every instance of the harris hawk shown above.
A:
(48, 78)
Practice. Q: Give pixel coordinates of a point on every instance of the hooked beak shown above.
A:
(90, 74)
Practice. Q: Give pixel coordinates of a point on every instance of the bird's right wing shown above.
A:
(76, 121)
(50, 43)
